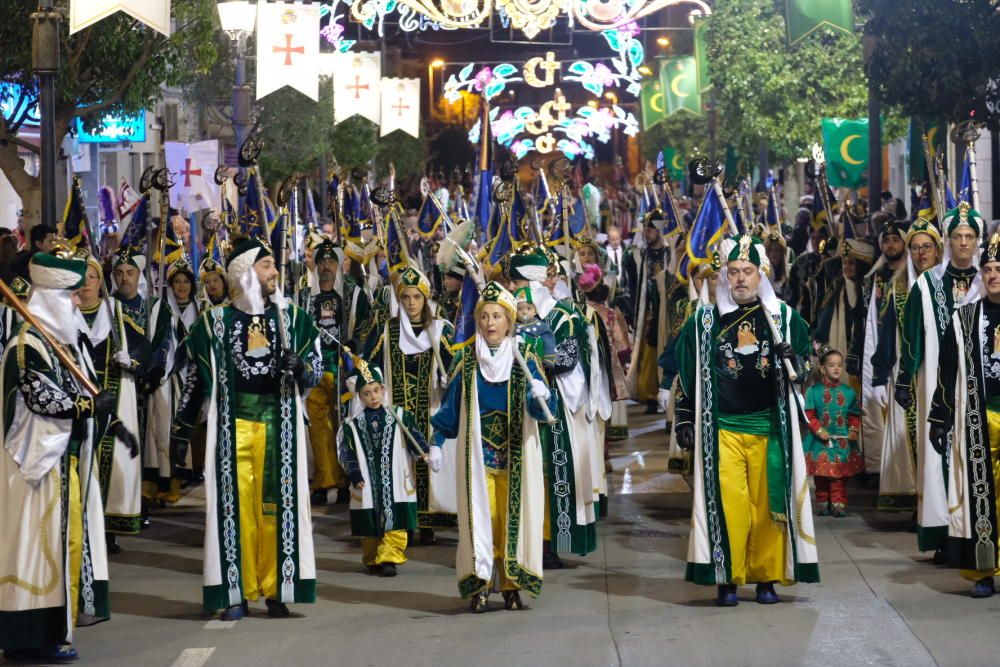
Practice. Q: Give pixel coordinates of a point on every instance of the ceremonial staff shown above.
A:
(145, 185)
(162, 182)
(60, 351)
(967, 132)
(932, 165)
(704, 171)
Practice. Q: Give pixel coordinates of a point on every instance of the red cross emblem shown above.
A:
(187, 172)
(288, 49)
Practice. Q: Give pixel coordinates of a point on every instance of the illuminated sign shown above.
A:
(115, 130)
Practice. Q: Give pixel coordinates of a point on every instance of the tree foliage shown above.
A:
(933, 58)
(682, 131)
(770, 93)
(116, 65)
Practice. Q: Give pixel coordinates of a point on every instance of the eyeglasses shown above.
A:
(922, 248)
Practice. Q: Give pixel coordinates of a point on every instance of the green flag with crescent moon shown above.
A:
(653, 109)
(845, 143)
(701, 54)
(805, 16)
(935, 138)
(674, 162)
(679, 77)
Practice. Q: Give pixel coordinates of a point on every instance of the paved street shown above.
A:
(880, 603)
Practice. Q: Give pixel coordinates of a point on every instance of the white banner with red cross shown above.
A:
(85, 13)
(288, 48)
(356, 79)
(192, 168)
(401, 106)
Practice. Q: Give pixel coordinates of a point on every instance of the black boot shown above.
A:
(480, 603)
(652, 407)
(512, 601)
(319, 497)
(427, 537)
(343, 496)
(550, 560)
(112, 543)
(388, 570)
(276, 609)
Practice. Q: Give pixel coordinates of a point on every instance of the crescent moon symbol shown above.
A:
(845, 149)
(658, 108)
(673, 85)
(673, 163)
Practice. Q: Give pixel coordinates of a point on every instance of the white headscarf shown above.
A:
(54, 309)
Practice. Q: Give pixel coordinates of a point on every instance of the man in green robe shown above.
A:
(251, 367)
(751, 519)
(929, 307)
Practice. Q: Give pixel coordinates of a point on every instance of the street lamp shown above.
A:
(437, 63)
(238, 18)
(45, 63)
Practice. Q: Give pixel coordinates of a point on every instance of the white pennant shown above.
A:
(401, 106)
(193, 169)
(154, 13)
(287, 48)
(356, 79)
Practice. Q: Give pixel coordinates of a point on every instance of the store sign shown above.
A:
(115, 130)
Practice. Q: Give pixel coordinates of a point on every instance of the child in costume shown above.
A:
(831, 446)
(533, 330)
(375, 451)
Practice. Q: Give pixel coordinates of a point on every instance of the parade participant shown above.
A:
(700, 291)
(588, 252)
(323, 406)
(876, 291)
(252, 369)
(751, 518)
(607, 378)
(570, 445)
(780, 258)
(376, 454)
(965, 417)
(612, 336)
(414, 349)
(897, 478)
(492, 410)
(802, 288)
(929, 307)
(452, 292)
(533, 330)
(831, 446)
(648, 281)
(9, 318)
(182, 311)
(841, 313)
(119, 473)
(212, 276)
(54, 559)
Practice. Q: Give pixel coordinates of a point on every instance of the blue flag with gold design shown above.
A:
(430, 217)
(707, 230)
(75, 225)
(465, 323)
(135, 234)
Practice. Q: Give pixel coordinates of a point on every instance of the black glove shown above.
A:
(903, 396)
(178, 450)
(939, 437)
(783, 350)
(105, 403)
(356, 478)
(685, 436)
(292, 362)
(120, 431)
(152, 381)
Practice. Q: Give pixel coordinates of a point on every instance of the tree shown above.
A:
(682, 131)
(117, 65)
(774, 95)
(932, 58)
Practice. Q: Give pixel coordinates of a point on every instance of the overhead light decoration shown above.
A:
(540, 72)
(333, 32)
(579, 130)
(529, 16)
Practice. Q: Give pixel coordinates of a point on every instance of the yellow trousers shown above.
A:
(497, 487)
(993, 422)
(322, 406)
(390, 548)
(258, 522)
(757, 543)
(74, 526)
